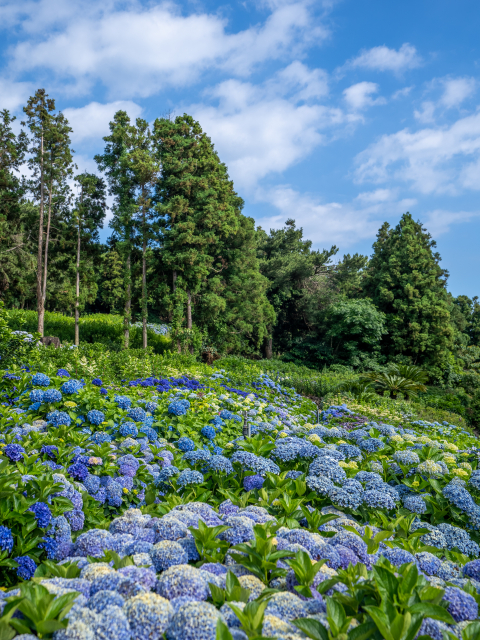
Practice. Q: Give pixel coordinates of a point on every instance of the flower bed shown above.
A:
(141, 510)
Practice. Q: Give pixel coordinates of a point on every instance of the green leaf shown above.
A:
(381, 621)
(311, 628)
(222, 632)
(434, 611)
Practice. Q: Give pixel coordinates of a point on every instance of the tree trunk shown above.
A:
(47, 240)
(189, 316)
(40, 305)
(128, 305)
(189, 310)
(144, 284)
(77, 285)
(174, 287)
(269, 347)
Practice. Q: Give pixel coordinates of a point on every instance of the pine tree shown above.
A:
(39, 119)
(207, 246)
(51, 164)
(15, 231)
(145, 169)
(89, 214)
(404, 279)
(197, 208)
(115, 162)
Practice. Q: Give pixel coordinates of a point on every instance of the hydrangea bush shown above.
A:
(145, 501)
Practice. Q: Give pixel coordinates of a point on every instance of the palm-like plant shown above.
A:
(360, 390)
(405, 379)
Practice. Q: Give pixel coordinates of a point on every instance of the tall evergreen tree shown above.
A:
(89, 215)
(298, 283)
(115, 162)
(15, 231)
(39, 120)
(404, 279)
(202, 234)
(145, 169)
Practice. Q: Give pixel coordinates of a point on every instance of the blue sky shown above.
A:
(339, 114)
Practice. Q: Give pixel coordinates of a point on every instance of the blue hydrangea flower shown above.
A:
(52, 395)
(320, 485)
(461, 605)
(406, 457)
(40, 380)
(26, 566)
(148, 615)
(59, 418)
(253, 482)
(194, 621)
(95, 417)
(252, 462)
(397, 556)
(185, 444)
(182, 580)
(36, 395)
(428, 563)
(42, 514)
(128, 429)
(63, 373)
(123, 402)
(50, 545)
(177, 408)
(151, 407)
(293, 475)
(208, 432)
(378, 499)
(137, 414)
(6, 539)
(78, 471)
(414, 503)
(167, 553)
(97, 382)
(104, 392)
(220, 464)
(189, 477)
(197, 457)
(371, 445)
(99, 437)
(14, 452)
(71, 386)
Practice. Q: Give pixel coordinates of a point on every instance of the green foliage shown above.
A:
(405, 281)
(209, 548)
(42, 612)
(233, 591)
(260, 556)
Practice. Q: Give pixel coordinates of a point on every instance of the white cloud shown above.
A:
(456, 90)
(379, 195)
(439, 221)
(343, 224)
(13, 95)
(427, 113)
(91, 121)
(359, 96)
(434, 160)
(385, 59)
(263, 129)
(136, 50)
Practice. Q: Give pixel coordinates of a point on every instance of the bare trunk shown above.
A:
(40, 305)
(189, 316)
(77, 287)
(189, 310)
(269, 347)
(174, 279)
(47, 240)
(144, 285)
(128, 305)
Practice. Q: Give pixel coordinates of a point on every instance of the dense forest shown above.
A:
(181, 252)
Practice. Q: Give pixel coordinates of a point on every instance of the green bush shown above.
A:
(100, 328)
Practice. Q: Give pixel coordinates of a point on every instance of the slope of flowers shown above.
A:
(147, 504)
